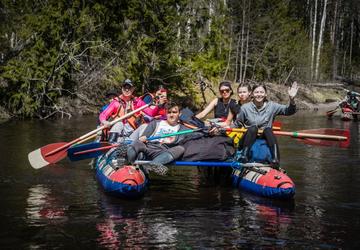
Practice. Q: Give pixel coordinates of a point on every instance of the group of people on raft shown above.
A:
(252, 110)
(350, 105)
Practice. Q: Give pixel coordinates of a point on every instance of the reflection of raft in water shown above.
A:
(260, 179)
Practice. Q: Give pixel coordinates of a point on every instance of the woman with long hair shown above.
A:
(260, 114)
(244, 94)
(220, 105)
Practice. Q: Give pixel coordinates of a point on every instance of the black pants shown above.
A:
(251, 134)
(151, 150)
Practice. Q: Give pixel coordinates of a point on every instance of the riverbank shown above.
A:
(4, 115)
(311, 96)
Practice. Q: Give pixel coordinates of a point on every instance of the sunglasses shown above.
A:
(126, 88)
(224, 91)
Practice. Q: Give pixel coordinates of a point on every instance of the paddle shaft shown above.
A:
(173, 134)
(297, 134)
(86, 139)
(95, 149)
(210, 164)
(308, 135)
(97, 130)
(148, 139)
(243, 130)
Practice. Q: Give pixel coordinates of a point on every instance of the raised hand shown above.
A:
(293, 90)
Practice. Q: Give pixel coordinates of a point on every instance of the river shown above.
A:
(62, 206)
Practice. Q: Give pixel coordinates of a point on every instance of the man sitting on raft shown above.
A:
(163, 150)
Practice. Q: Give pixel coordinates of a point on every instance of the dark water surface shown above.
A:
(62, 206)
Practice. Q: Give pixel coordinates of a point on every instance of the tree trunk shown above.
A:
(230, 50)
(237, 58)
(322, 28)
(313, 41)
(247, 52)
(211, 12)
(351, 47)
(242, 42)
(334, 24)
(334, 41)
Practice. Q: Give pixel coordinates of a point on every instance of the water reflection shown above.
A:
(126, 226)
(108, 235)
(263, 222)
(121, 227)
(43, 207)
(62, 206)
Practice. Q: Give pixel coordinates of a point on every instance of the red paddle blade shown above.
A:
(325, 141)
(38, 158)
(277, 124)
(328, 131)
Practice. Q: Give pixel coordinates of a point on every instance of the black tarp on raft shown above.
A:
(216, 148)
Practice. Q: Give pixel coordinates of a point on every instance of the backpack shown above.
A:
(187, 116)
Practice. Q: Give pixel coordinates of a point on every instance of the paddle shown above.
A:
(322, 136)
(89, 150)
(330, 113)
(276, 124)
(55, 152)
(86, 139)
(236, 135)
(235, 165)
(210, 164)
(95, 149)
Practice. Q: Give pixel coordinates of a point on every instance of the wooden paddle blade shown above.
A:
(38, 158)
(330, 113)
(89, 150)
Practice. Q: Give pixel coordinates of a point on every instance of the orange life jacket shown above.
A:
(125, 107)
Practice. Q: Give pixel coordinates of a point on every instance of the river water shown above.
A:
(62, 206)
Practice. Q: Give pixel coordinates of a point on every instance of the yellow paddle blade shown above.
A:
(236, 136)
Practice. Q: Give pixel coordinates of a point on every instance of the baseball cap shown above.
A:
(128, 82)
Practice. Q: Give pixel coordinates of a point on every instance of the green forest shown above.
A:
(58, 57)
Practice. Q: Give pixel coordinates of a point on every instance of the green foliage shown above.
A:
(80, 49)
(282, 45)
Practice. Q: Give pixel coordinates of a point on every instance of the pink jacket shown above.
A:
(113, 109)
